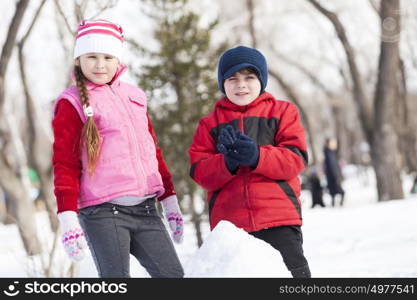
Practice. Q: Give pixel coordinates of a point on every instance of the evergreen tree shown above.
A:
(181, 83)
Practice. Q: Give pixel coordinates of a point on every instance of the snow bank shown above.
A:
(229, 251)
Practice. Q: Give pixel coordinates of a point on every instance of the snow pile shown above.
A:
(229, 251)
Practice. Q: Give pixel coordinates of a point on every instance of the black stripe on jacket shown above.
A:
(260, 129)
(212, 200)
(301, 153)
(290, 194)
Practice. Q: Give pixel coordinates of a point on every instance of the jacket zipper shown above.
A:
(246, 181)
(135, 144)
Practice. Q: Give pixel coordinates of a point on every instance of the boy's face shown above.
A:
(242, 88)
(98, 67)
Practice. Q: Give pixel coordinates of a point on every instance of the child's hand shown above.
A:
(173, 215)
(245, 151)
(73, 237)
(226, 139)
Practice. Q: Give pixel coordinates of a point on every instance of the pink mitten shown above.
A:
(73, 237)
(173, 215)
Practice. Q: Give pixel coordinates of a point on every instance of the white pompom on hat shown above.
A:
(99, 36)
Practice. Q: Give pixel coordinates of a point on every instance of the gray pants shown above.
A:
(114, 231)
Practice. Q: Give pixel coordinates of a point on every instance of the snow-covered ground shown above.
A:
(363, 238)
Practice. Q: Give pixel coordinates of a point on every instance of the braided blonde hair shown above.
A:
(90, 136)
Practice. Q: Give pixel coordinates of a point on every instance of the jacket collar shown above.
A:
(114, 82)
(229, 105)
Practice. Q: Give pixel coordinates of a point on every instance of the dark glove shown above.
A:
(225, 145)
(245, 151)
(226, 139)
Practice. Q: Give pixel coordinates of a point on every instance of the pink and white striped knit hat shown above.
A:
(99, 36)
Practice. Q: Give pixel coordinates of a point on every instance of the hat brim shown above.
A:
(239, 67)
(98, 43)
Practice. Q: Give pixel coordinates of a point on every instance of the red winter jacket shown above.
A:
(67, 162)
(252, 199)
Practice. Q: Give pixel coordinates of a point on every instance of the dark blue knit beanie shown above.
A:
(238, 58)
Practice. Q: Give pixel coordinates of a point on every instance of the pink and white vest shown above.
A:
(127, 164)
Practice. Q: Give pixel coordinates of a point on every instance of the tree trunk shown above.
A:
(6, 217)
(384, 150)
(40, 141)
(21, 209)
(6, 52)
(12, 174)
(377, 127)
(406, 125)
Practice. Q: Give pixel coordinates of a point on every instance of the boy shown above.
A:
(248, 152)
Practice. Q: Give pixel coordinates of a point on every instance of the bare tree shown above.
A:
(346, 135)
(405, 125)
(376, 121)
(13, 166)
(288, 89)
(251, 22)
(83, 9)
(386, 167)
(22, 148)
(363, 106)
(39, 135)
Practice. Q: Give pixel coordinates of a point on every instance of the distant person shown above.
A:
(248, 153)
(333, 171)
(108, 168)
(316, 188)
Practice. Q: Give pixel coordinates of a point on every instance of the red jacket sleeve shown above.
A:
(208, 168)
(162, 166)
(66, 159)
(288, 158)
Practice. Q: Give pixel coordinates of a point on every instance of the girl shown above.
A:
(108, 168)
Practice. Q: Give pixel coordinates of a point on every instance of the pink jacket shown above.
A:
(127, 163)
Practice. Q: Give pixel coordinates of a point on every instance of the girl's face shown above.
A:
(242, 88)
(98, 67)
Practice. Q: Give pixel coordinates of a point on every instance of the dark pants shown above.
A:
(114, 231)
(342, 197)
(316, 191)
(288, 240)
